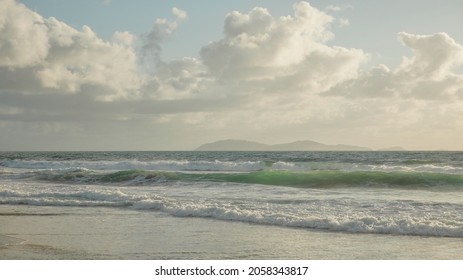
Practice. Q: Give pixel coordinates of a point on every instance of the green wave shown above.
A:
(309, 179)
(122, 176)
(336, 179)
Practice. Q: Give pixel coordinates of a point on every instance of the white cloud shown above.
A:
(125, 38)
(428, 74)
(49, 53)
(418, 102)
(180, 79)
(79, 58)
(434, 58)
(259, 43)
(287, 52)
(179, 14)
(23, 36)
(161, 30)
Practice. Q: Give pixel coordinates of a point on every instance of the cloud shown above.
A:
(161, 30)
(259, 56)
(24, 36)
(50, 55)
(343, 22)
(179, 79)
(434, 58)
(333, 8)
(79, 58)
(428, 74)
(262, 52)
(418, 102)
(286, 52)
(179, 14)
(124, 38)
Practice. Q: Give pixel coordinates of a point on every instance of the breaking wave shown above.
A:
(408, 217)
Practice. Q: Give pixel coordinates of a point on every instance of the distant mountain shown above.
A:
(243, 145)
(393, 149)
(299, 146)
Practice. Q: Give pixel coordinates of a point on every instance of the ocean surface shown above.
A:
(397, 199)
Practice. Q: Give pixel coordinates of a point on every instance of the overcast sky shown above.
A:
(171, 75)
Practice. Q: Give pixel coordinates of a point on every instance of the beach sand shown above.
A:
(29, 232)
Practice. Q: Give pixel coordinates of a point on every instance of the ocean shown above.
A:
(231, 205)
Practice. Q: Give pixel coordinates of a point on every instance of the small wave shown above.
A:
(158, 165)
(85, 176)
(420, 161)
(407, 180)
(429, 168)
(66, 197)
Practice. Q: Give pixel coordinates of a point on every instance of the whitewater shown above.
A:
(390, 197)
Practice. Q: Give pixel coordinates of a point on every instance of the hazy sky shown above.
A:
(171, 75)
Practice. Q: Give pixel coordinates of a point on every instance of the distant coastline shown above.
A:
(306, 145)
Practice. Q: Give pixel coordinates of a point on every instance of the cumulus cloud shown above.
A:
(428, 74)
(287, 51)
(259, 51)
(55, 56)
(260, 55)
(124, 38)
(79, 58)
(24, 36)
(418, 101)
(434, 58)
(179, 79)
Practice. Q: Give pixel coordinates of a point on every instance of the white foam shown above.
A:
(415, 168)
(351, 221)
(354, 223)
(158, 165)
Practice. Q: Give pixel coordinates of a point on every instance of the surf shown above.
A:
(306, 179)
(404, 217)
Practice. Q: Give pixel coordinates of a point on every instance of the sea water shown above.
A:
(221, 205)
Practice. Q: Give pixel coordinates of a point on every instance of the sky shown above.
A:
(172, 75)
